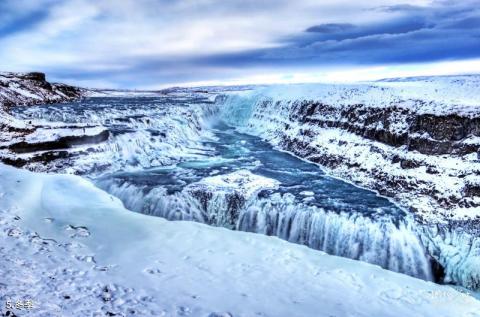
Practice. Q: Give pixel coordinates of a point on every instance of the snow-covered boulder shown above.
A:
(222, 196)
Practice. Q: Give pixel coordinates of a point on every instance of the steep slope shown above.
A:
(33, 88)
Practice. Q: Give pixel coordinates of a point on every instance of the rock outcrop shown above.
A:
(33, 88)
(415, 140)
(26, 141)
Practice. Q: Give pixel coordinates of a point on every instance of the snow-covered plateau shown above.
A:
(386, 172)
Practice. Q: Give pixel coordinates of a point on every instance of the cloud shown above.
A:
(443, 31)
(330, 28)
(133, 43)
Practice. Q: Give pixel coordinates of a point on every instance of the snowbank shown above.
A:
(88, 255)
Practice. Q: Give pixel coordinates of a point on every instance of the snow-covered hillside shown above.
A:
(88, 256)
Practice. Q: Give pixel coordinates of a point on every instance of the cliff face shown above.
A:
(33, 88)
(47, 141)
(416, 141)
(412, 141)
(399, 153)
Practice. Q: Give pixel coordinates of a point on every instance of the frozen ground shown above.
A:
(88, 256)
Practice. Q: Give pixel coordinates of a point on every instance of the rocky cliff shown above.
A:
(40, 138)
(33, 88)
(416, 140)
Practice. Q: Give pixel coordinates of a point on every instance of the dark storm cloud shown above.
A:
(329, 28)
(444, 31)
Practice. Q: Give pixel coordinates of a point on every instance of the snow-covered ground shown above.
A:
(88, 256)
(432, 95)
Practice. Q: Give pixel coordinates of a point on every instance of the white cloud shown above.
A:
(113, 36)
(346, 75)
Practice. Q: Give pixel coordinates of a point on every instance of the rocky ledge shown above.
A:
(22, 142)
(222, 196)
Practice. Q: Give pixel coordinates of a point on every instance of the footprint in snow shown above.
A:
(77, 232)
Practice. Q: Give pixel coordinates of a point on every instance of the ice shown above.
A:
(232, 201)
(144, 132)
(438, 188)
(133, 264)
(52, 134)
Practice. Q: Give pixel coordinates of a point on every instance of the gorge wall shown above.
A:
(25, 141)
(416, 140)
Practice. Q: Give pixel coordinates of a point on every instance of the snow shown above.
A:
(20, 88)
(432, 186)
(146, 134)
(49, 134)
(428, 95)
(111, 259)
(268, 111)
(107, 259)
(242, 181)
(307, 193)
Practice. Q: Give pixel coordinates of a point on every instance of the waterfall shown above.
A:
(387, 242)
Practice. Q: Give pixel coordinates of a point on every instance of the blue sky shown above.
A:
(156, 43)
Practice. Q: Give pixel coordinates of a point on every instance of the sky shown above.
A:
(149, 44)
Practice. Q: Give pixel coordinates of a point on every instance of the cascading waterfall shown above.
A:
(392, 246)
(277, 116)
(457, 249)
(386, 242)
(150, 133)
(155, 201)
(144, 132)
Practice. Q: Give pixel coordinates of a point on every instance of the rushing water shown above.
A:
(307, 206)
